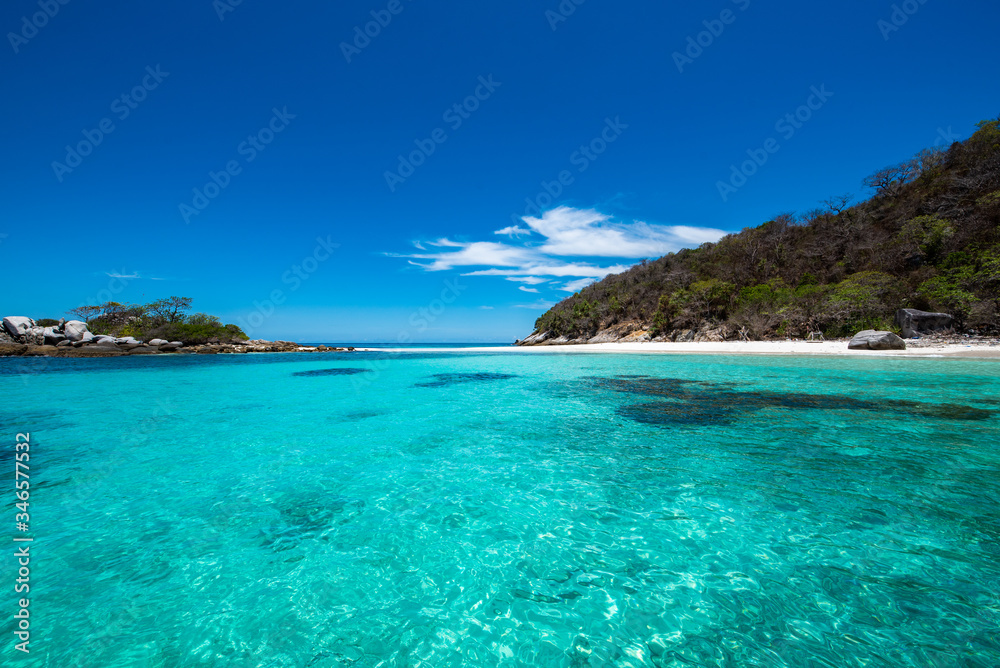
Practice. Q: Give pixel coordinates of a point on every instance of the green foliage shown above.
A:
(662, 317)
(46, 322)
(161, 319)
(865, 298)
(945, 293)
(988, 134)
(928, 233)
(200, 332)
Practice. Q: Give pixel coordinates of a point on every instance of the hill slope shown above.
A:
(929, 239)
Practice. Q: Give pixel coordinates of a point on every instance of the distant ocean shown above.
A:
(498, 509)
(415, 345)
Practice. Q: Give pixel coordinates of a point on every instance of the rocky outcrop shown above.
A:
(871, 339)
(913, 323)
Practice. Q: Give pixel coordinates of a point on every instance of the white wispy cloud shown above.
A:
(576, 286)
(540, 305)
(118, 274)
(513, 231)
(558, 245)
(530, 280)
(586, 232)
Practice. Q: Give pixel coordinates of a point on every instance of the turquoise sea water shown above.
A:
(510, 509)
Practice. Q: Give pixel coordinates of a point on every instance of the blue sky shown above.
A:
(244, 156)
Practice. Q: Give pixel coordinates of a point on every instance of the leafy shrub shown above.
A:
(865, 300)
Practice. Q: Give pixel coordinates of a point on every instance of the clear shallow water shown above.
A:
(517, 509)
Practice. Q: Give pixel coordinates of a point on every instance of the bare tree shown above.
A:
(889, 180)
(837, 203)
(85, 313)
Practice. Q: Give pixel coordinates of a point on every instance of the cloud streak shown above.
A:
(564, 243)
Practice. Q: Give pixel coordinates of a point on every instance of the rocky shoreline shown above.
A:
(918, 329)
(22, 337)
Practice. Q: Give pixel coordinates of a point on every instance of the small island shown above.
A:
(112, 329)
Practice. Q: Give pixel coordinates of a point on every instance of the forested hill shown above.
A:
(927, 238)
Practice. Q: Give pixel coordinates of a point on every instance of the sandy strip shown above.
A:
(836, 348)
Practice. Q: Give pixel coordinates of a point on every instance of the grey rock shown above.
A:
(104, 342)
(52, 337)
(871, 339)
(534, 339)
(914, 323)
(127, 340)
(17, 326)
(64, 343)
(685, 336)
(34, 336)
(158, 342)
(75, 329)
(86, 338)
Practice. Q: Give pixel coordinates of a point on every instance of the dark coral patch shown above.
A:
(690, 402)
(446, 379)
(330, 372)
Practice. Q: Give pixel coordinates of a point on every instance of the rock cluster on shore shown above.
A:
(21, 336)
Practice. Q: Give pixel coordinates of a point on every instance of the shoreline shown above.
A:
(923, 349)
(833, 348)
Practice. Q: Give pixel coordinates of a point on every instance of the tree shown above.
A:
(888, 180)
(170, 309)
(85, 313)
(204, 320)
(837, 203)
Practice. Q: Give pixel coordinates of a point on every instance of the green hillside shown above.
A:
(927, 238)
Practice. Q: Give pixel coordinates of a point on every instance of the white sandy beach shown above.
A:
(925, 348)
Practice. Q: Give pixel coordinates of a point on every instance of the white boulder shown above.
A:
(17, 326)
(75, 329)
